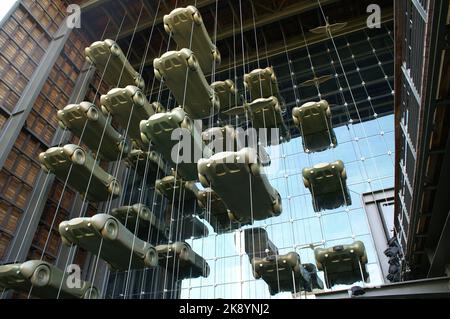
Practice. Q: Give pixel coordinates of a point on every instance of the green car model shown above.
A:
(258, 244)
(328, 186)
(182, 261)
(95, 130)
(266, 113)
(158, 130)
(220, 139)
(105, 236)
(238, 178)
(314, 122)
(182, 226)
(343, 264)
(175, 188)
(186, 27)
(79, 168)
(129, 106)
(282, 273)
(215, 211)
(43, 280)
(141, 217)
(185, 79)
(146, 163)
(227, 94)
(110, 61)
(261, 83)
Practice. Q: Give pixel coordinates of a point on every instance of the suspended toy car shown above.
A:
(343, 264)
(113, 65)
(282, 273)
(158, 130)
(149, 164)
(182, 260)
(141, 221)
(72, 164)
(239, 179)
(43, 280)
(95, 130)
(227, 94)
(266, 113)
(261, 83)
(175, 188)
(105, 236)
(186, 27)
(328, 186)
(185, 79)
(129, 107)
(258, 244)
(215, 211)
(220, 139)
(314, 122)
(183, 226)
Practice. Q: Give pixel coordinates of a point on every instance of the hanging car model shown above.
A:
(239, 179)
(105, 236)
(149, 164)
(220, 139)
(141, 221)
(258, 244)
(186, 27)
(113, 65)
(179, 259)
(343, 264)
(129, 106)
(185, 79)
(215, 211)
(282, 273)
(266, 113)
(95, 130)
(43, 280)
(174, 188)
(261, 83)
(227, 94)
(327, 183)
(314, 122)
(73, 164)
(182, 226)
(158, 130)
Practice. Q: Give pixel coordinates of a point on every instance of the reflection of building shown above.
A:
(42, 69)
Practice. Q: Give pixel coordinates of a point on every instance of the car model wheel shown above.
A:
(92, 114)
(151, 258)
(192, 63)
(167, 28)
(41, 276)
(216, 56)
(277, 207)
(114, 188)
(158, 75)
(115, 50)
(91, 293)
(139, 99)
(197, 18)
(203, 180)
(306, 183)
(78, 157)
(62, 125)
(110, 230)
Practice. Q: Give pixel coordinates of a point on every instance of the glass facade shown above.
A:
(361, 98)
